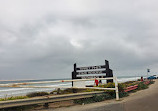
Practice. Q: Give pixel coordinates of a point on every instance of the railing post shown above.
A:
(116, 89)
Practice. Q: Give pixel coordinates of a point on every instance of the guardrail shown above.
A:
(47, 99)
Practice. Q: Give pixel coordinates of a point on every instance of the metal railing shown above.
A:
(47, 99)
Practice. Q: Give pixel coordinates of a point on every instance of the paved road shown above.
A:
(145, 100)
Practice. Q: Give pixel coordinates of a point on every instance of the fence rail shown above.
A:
(59, 81)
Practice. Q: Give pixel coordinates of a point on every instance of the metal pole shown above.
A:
(148, 70)
(116, 88)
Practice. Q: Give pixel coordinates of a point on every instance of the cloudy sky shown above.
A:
(42, 39)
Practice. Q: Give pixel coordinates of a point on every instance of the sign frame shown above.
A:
(94, 70)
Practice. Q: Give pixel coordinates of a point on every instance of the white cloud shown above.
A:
(76, 43)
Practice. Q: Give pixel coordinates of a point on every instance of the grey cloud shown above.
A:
(43, 39)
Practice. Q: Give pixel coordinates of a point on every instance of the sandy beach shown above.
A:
(144, 100)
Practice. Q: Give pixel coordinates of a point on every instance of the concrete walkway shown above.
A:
(145, 100)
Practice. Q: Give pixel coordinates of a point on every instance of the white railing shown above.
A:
(22, 85)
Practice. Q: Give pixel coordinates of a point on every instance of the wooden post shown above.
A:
(116, 89)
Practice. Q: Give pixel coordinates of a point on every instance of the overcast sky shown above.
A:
(42, 39)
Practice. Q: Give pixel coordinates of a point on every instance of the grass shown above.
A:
(13, 98)
(34, 94)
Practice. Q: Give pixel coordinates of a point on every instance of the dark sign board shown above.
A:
(103, 69)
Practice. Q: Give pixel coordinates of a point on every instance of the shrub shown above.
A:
(141, 85)
(123, 94)
(109, 85)
(152, 82)
(112, 93)
(104, 96)
(58, 91)
(91, 90)
(121, 87)
(84, 100)
(69, 91)
(34, 94)
(107, 96)
(95, 98)
(139, 80)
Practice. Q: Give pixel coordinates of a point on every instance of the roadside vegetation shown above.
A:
(35, 94)
(111, 94)
(13, 98)
(107, 95)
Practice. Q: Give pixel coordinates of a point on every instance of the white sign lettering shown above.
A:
(91, 67)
